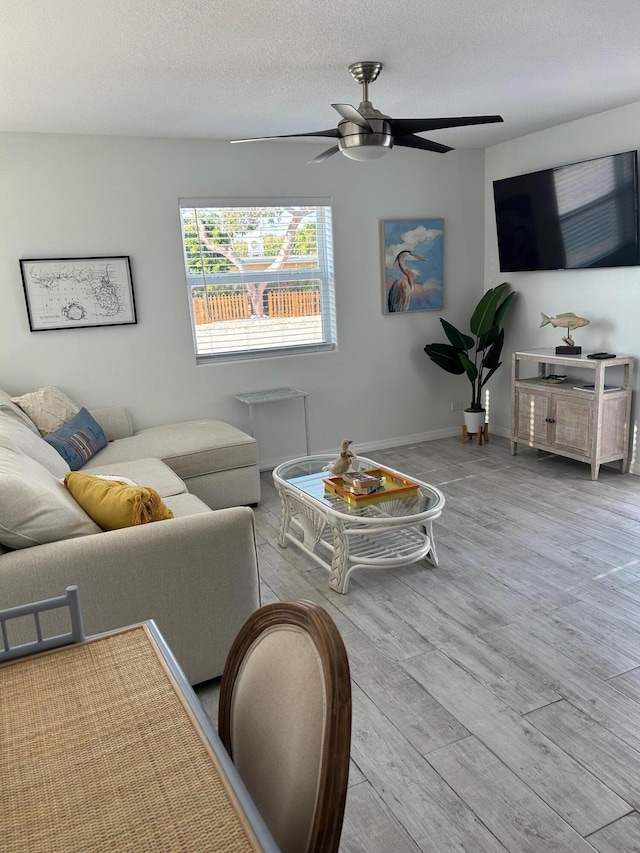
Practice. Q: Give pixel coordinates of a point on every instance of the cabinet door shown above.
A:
(572, 428)
(532, 415)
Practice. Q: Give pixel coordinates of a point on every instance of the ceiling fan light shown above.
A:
(365, 152)
(365, 146)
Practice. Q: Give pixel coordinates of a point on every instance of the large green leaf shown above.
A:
(469, 366)
(482, 318)
(445, 356)
(487, 339)
(490, 374)
(460, 341)
(492, 355)
(502, 308)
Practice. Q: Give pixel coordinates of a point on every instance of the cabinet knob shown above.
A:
(550, 420)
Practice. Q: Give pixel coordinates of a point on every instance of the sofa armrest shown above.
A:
(114, 420)
(196, 576)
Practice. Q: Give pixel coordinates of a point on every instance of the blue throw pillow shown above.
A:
(78, 440)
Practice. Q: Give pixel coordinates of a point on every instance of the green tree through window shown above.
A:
(237, 251)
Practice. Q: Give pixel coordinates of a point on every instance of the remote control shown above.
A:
(600, 355)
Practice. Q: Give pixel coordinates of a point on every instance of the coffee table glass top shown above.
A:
(307, 475)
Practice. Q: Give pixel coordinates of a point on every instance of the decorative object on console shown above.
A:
(72, 293)
(344, 461)
(485, 348)
(568, 321)
(407, 243)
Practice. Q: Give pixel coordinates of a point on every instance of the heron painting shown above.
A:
(412, 259)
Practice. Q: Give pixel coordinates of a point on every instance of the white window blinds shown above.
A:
(259, 276)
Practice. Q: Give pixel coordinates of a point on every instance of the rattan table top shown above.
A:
(99, 751)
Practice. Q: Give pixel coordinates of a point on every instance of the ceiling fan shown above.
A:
(366, 133)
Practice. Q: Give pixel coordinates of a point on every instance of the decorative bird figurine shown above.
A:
(344, 460)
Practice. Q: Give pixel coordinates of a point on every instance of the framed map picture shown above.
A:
(73, 293)
(412, 265)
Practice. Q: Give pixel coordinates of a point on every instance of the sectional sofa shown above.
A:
(195, 574)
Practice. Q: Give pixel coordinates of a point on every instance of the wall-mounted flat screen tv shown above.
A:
(577, 216)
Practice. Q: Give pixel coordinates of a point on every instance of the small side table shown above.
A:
(275, 395)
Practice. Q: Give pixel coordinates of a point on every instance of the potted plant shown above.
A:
(477, 356)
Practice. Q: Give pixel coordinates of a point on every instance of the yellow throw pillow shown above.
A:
(113, 504)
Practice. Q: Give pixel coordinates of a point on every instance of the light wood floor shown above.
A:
(496, 699)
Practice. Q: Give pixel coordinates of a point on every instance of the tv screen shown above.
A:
(577, 216)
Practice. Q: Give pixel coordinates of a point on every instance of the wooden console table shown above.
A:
(104, 746)
(591, 426)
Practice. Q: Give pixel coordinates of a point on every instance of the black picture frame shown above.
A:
(78, 293)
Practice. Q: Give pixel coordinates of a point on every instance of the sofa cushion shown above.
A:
(186, 504)
(114, 420)
(78, 440)
(33, 445)
(113, 504)
(35, 506)
(147, 472)
(9, 409)
(190, 448)
(48, 408)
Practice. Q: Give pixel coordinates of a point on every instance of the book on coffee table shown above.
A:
(392, 487)
(360, 483)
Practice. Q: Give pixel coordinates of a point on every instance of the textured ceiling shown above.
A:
(219, 69)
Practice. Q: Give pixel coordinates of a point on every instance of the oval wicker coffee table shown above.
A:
(341, 537)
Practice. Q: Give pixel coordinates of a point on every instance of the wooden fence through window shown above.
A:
(236, 306)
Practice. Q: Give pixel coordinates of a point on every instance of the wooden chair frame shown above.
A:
(334, 771)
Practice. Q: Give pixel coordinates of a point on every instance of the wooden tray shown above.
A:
(394, 487)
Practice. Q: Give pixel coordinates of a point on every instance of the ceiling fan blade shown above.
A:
(325, 154)
(418, 142)
(351, 114)
(418, 125)
(331, 132)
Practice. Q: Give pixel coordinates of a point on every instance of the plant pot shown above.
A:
(474, 420)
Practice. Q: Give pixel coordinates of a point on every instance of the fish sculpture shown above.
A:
(568, 321)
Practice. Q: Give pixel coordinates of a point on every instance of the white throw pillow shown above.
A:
(33, 446)
(115, 478)
(49, 408)
(35, 507)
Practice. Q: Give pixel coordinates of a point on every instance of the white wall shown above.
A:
(75, 196)
(610, 298)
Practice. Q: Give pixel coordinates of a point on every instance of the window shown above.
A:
(259, 276)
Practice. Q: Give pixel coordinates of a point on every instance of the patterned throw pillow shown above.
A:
(48, 408)
(78, 440)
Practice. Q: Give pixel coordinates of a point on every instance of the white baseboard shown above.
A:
(385, 444)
